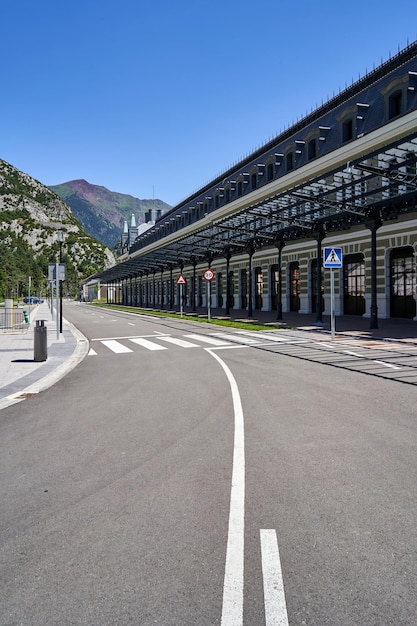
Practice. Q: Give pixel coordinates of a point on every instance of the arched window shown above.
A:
(347, 130)
(395, 104)
(312, 149)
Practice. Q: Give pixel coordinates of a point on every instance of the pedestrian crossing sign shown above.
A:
(332, 257)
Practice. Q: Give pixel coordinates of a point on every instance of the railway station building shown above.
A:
(344, 177)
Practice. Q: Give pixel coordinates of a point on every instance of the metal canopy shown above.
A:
(379, 185)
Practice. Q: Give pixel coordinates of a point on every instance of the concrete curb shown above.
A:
(80, 351)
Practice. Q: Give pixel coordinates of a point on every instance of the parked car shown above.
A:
(32, 300)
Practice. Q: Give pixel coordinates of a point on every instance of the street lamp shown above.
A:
(60, 239)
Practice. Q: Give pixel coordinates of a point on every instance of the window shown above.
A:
(312, 149)
(253, 181)
(270, 172)
(347, 130)
(290, 161)
(395, 102)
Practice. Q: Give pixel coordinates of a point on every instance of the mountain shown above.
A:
(102, 212)
(31, 218)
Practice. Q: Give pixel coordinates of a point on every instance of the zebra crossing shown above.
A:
(158, 342)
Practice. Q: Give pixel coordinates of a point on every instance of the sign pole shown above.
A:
(181, 282)
(209, 299)
(208, 276)
(332, 258)
(57, 298)
(332, 319)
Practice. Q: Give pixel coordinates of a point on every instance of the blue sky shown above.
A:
(156, 99)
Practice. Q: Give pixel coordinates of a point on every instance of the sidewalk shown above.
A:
(20, 375)
(397, 329)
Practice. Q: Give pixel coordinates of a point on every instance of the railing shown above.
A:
(13, 320)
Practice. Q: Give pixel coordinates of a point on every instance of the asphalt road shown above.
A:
(119, 506)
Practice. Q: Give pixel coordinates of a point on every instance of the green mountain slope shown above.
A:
(31, 216)
(101, 211)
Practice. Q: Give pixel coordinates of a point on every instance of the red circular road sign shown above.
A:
(208, 274)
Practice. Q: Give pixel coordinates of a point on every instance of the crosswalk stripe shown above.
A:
(179, 342)
(211, 340)
(116, 346)
(237, 338)
(271, 337)
(149, 345)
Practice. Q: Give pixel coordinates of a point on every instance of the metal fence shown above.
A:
(13, 320)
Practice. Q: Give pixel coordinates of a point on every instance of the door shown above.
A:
(403, 285)
(274, 286)
(354, 284)
(243, 289)
(259, 287)
(294, 286)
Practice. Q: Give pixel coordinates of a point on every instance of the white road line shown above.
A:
(178, 342)
(394, 367)
(232, 609)
(272, 337)
(92, 352)
(235, 337)
(149, 345)
(116, 347)
(211, 340)
(274, 596)
(354, 354)
(131, 324)
(117, 337)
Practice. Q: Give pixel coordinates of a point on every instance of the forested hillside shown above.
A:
(31, 218)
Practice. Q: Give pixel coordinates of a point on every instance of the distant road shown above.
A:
(185, 474)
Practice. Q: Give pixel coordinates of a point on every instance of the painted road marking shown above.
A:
(394, 367)
(232, 609)
(116, 347)
(179, 342)
(272, 337)
(236, 337)
(92, 352)
(274, 596)
(145, 343)
(211, 340)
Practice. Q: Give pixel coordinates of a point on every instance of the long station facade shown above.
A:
(343, 177)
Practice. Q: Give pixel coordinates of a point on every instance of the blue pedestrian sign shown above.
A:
(332, 257)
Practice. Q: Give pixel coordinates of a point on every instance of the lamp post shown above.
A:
(60, 239)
